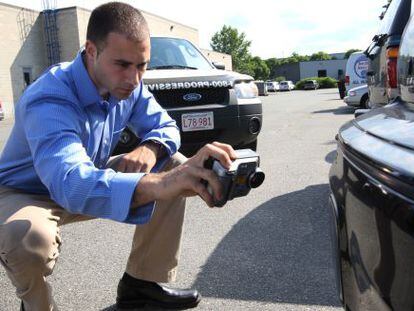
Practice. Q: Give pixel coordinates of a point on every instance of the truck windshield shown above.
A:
(172, 53)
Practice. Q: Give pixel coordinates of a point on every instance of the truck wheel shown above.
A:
(365, 102)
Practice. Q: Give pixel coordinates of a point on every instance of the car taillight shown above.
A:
(347, 80)
(392, 55)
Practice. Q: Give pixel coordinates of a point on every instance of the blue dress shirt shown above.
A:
(63, 135)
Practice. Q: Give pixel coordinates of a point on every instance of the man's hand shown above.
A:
(186, 179)
(141, 160)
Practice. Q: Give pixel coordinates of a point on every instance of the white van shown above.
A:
(286, 86)
(356, 70)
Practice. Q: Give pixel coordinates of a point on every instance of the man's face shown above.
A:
(118, 68)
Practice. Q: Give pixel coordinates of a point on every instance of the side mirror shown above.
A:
(219, 65)
(360, 112)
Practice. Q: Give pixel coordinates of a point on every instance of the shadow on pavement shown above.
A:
(330, 93)
(339, 110)
(280, 252)
(330, 142)
(330, 157)
(113, 308)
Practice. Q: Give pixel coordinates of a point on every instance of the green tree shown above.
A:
(260, 69)
(349, 52)
(320, 56)
(272, 64)
(228, 40)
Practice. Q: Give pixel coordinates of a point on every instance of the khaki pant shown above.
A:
(30, 241)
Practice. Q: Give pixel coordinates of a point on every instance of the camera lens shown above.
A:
(256, 178)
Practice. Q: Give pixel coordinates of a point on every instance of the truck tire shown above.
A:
(365, 102)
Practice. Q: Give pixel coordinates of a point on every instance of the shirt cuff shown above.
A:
(169, 145)
(123, 187)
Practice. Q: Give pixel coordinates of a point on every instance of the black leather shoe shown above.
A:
(135, 293)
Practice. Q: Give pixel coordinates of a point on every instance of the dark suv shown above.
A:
(372, 184)
(311, 85)
(208, 104)
(383, 53)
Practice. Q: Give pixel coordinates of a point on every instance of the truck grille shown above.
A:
(174, 98)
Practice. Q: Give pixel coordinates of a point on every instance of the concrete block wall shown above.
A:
(21, 48)
(214, 56)
(67, 23)
(83, 18)
(165, 27)
(310, 69)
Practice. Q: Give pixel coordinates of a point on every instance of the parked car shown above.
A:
(372, 200)
(1, 111)
(383, 53)
(208, 104)
(356, 70)
(358, 97)
(262, 88)
(286, 86)
(311, 85)
(272, 86)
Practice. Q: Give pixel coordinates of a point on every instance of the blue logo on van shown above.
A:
(361, 66)
(192, 97)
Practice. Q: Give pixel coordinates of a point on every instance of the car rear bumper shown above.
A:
(236, 125)
(353, 101)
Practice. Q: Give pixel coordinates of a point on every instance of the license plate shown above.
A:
(197, 121)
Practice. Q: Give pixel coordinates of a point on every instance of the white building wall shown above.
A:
(21, 49)
(165, 27)
(310, 69)
(214, 56)
(68, 33)
(83, 18)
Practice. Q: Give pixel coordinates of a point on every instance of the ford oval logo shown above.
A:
(192, 97)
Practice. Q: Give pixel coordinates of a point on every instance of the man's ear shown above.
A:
(91, 50)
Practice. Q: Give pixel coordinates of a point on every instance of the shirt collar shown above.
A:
(85, 88)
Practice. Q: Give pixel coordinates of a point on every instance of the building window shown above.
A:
(27, 76)
(321, 73)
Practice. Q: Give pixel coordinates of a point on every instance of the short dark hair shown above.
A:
(116, 17)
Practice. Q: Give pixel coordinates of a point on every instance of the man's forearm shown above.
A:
(146, 191)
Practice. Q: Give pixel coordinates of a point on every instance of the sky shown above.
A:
(276, 28)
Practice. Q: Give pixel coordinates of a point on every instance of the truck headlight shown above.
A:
(351, 93)
(246, 90)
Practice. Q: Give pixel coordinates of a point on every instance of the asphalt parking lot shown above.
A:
(270, 250)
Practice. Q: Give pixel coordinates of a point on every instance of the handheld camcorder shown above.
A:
(244, 174)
